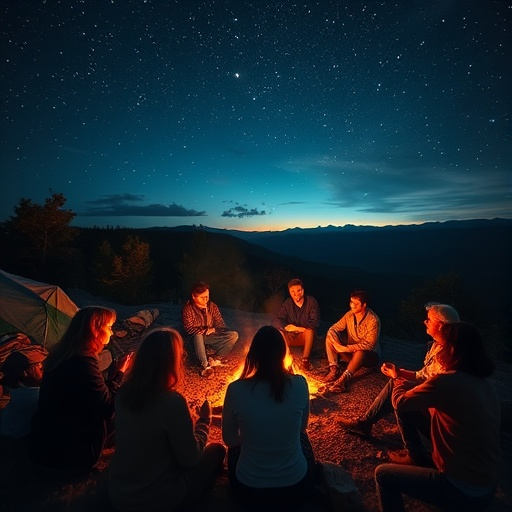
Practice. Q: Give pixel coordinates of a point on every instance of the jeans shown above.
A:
(381, 406)
(219, 342)
(425, 484)
(412, 426)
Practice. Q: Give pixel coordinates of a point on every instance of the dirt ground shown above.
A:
(23, 489)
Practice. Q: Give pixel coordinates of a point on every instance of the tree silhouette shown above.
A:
(45, 227)
(125, 276)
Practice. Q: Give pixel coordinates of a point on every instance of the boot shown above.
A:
(333, 373)
(359, 427)
(341, 385)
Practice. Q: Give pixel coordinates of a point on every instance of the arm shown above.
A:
(281, 320)
(365, 336)
(94, 394)
(408, 397)
(306, 410)
(218, 321)
(230, 427)
(187, 441)
(313, 313)
(336, 329)
(193, 322)
(391, 371)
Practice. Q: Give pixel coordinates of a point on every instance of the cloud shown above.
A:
(122, 205)
(241, 212)
(406, 188)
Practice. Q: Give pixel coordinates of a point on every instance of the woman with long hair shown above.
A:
(162, 460)
(465, 430)
(264, 422)
(76, 403)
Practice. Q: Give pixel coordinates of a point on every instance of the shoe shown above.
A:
(305, 364)
(339, 386)
(214, 362)
(207, 372)
(401, 457)
(333, 373)
(404, 457)
(358, 427)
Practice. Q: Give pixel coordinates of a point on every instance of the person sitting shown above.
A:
(22, 374)
(355, 339)
(162, 460)
(264, 420)
(298, 320)
(76, 405)
(465, 434)
(204, 324)
(411, 425)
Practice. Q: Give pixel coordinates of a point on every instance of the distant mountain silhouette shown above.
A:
(479, 251)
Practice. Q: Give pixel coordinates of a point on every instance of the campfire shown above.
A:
(290, 363)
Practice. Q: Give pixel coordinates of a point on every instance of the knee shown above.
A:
(383, 473)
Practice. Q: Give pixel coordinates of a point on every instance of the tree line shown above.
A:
(139, 266)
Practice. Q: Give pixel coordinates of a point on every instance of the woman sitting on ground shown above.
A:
(465, 430)
(162, 461)
(264, 421)
(76, 404)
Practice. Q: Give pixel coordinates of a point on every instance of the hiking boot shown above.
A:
(339, 386)
(305, 364)
(206, 371)
(359, 427)
(333, 373)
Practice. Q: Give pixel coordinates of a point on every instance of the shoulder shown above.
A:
(86, 362)
(373, 315)
(299, 381)
(187, 305)
(173, 398)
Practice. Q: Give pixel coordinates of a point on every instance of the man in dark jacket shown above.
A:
(298, 319)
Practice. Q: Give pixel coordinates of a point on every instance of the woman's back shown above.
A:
(271, 454)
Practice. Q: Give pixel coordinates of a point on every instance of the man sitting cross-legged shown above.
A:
(355, 339)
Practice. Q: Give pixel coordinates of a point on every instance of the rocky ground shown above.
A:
(23, 490)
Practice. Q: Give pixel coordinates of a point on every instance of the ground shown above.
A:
(22, 489)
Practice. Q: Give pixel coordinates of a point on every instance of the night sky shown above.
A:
(258, 114)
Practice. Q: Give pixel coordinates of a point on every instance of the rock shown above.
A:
(340, 487)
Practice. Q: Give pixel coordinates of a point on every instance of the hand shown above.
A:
(389, 369)
(205, 411)
(126, 362)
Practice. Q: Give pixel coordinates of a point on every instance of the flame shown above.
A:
(290, 364)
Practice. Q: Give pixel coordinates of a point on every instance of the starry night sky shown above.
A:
(258, 114)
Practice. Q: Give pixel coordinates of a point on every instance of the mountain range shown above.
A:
(478, 251)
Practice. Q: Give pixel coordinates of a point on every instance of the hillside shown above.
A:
(24, 490)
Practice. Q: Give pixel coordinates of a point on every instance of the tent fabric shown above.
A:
(39, 310)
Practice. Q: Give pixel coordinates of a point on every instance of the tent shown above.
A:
(39, 310)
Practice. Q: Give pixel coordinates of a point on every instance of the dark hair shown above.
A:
(265, 361)
(199, 287)
(361, 295)
(157, 367)
(295, 282)
(80, 335)
(463, 350)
